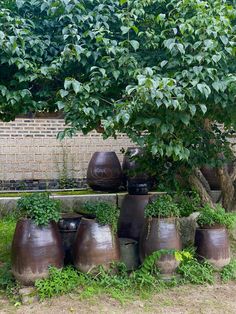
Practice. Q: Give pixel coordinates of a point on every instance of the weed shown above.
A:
(228, 272)
(195, 272)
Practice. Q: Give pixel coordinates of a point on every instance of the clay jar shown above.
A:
(68, 226)
(95, 245)
(131, 218)
(138, 183)
(104, 172)
(157, 234)
(34, 249)
(212, 243)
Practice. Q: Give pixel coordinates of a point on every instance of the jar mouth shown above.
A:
(107, 152)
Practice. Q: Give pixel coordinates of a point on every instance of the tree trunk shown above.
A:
(199, 183)
(227, 184)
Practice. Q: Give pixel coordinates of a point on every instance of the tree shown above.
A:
(161, 71)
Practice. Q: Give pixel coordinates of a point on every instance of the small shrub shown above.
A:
(196, 273)
(60, 281)
(188, 203)
(40, 208)
(162, 207)
(215, 216)
(8, 284)
(228, 272)
(105, 213)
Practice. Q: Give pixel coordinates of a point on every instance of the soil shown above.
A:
(180, 300)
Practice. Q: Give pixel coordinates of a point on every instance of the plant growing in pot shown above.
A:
(96, 241)
(211, 238)
(160, 232)
(37, 242)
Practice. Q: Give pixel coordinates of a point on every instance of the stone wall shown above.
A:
(32, 158)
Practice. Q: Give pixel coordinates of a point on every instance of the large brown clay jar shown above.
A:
(158, 234)
(131, 218)
(34, 249)
(104, 172)
(213, 244)
(95, 245)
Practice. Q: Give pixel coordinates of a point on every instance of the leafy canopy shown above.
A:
(155, 70)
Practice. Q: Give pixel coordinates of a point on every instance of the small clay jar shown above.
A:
(158, 234)
(212, 244)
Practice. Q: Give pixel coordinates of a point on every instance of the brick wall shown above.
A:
(32, 157)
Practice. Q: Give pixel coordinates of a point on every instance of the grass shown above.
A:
(7, 228)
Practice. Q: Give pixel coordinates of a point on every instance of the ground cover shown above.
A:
(118, 294)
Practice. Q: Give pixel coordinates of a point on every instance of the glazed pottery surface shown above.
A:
(131, 218)
(104, 172)
(160, 234)
(138, 182)
(94, 245)
(129, 252)
(68, 226)
(34, 249)
(213, 245)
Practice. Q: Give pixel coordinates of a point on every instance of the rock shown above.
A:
(28, 295)
(187, 226)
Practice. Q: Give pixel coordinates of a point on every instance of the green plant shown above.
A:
(215, 216)
(8, 284)
(162, 207)
(7, 228)
(188, 203)
(195, 272)
(60, 281)
(40, 208)
(105, 213)
(228, 272)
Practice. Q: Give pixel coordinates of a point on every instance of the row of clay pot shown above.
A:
(155, 234)
(36, 248)
(105, 173)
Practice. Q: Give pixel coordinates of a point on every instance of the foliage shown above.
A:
(40, 208)
(7, 228)
(195, 272)
(60, 281)
(162, 207)
(215, 216)
(155, 70)
(105, 213)
(188, 203)
(8, 284)
(228, 272)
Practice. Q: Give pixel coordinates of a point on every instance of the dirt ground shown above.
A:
(185, 299)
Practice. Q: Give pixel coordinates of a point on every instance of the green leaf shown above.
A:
(203, 108)
(125, 29)
(134, 44)
(60, 105)
(76, 86)
(68, 83)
